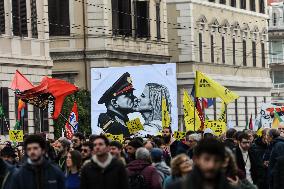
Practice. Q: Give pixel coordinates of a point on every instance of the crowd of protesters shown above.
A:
(237, 160)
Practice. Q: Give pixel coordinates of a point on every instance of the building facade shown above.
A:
(226, 39)
(24, 46)
(111, 33)
(276, 49)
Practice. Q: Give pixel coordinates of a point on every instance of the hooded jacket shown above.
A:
(150, 174)
(6, 172)
(163, 170)
(108, 175)
(43, 176)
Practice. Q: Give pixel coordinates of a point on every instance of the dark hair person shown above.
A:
(73, 163)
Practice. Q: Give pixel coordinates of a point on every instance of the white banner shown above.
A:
(121, 94)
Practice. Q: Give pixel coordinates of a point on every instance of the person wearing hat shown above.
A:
(119, 101)
(9, 155)
(159, 163)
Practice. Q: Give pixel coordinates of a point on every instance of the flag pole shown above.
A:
(195, 88)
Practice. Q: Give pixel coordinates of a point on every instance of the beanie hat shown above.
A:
(156, 153)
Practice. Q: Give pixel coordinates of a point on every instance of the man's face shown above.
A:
(100, 147)
(166, 132)
(34, 151)
(115, 151)
(130, 150)
(209, 164)
(86, 152)
(60, 147)
(245, 144)
(76, 141)
(126, 102)
(191, 142)
(281, 130)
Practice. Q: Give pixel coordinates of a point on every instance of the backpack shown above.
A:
(137, 181)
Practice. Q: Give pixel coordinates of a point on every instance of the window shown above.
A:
(212, 1)
(158, 21)
(19, 13)
(236, 112)
(142, 24)
(34, 19)
(4, 101)
(234, 51)
(212, 48)
(2, 17)
(41, 120)
(246, 109)
(244, 53)
(274, 19)
(261, 6)
(263, 54)
(121, 17)
(23, 120)
(58, 15)
(223, 2)
(252, 5)
(243, 4)
(254, 53)
(200, 48)
(233, 3)
(223, 50)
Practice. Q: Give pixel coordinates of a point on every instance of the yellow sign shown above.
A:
(118, 138)
(218, 127)
(222, 116)
(188, 107)
(166, 119)
(134, 126)
(16, 135)
(179, 135)
(208, 88)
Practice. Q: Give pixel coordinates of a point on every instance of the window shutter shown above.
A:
(158, 21)
(5, 103)
(142, 19)
(125, 18)
(37, 120)
(34, 19)
(2, 17)
(23, 17)
(16, 19)
(115, 17)
(45, 120)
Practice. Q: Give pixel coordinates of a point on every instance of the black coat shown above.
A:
(44, 176)
(111, 177)
(230, 144)
(195, 180)
(257, 168)
(278, 174)
(6, 172)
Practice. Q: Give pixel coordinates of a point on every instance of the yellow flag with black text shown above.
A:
(208, 88)
(223, 116)
(166, 118)
(188, 107)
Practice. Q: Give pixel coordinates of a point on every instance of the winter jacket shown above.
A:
(195, 180)
(6, 172)
(257, 168)
(259, 148)
(163, 170)
(170, 180)
(108, 175)
(230, 144)
(278, 174)
(150, 174)
(43, 176)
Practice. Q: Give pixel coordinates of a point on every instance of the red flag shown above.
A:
(200, 113)
(49, 92)
(20, 82)
(250, 123)
(73, 120)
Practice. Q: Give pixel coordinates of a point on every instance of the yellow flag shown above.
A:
(166, 119)
(188, 107)
(222, 116)
(218, 127)
(134, 126)
(16, 135)
(208, 88)
(259, 132)
(179, 135)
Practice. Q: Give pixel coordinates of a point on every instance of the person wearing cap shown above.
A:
(119, 101)
(159, 163)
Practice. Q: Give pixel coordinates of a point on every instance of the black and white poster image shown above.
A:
(120, 94)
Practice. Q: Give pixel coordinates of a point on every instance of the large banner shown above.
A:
(123, 94)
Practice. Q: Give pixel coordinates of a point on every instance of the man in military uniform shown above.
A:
(119, 101)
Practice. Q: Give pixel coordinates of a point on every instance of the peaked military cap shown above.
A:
(121, 86)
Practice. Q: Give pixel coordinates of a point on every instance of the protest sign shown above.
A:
(16, 135)
(218, 127)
